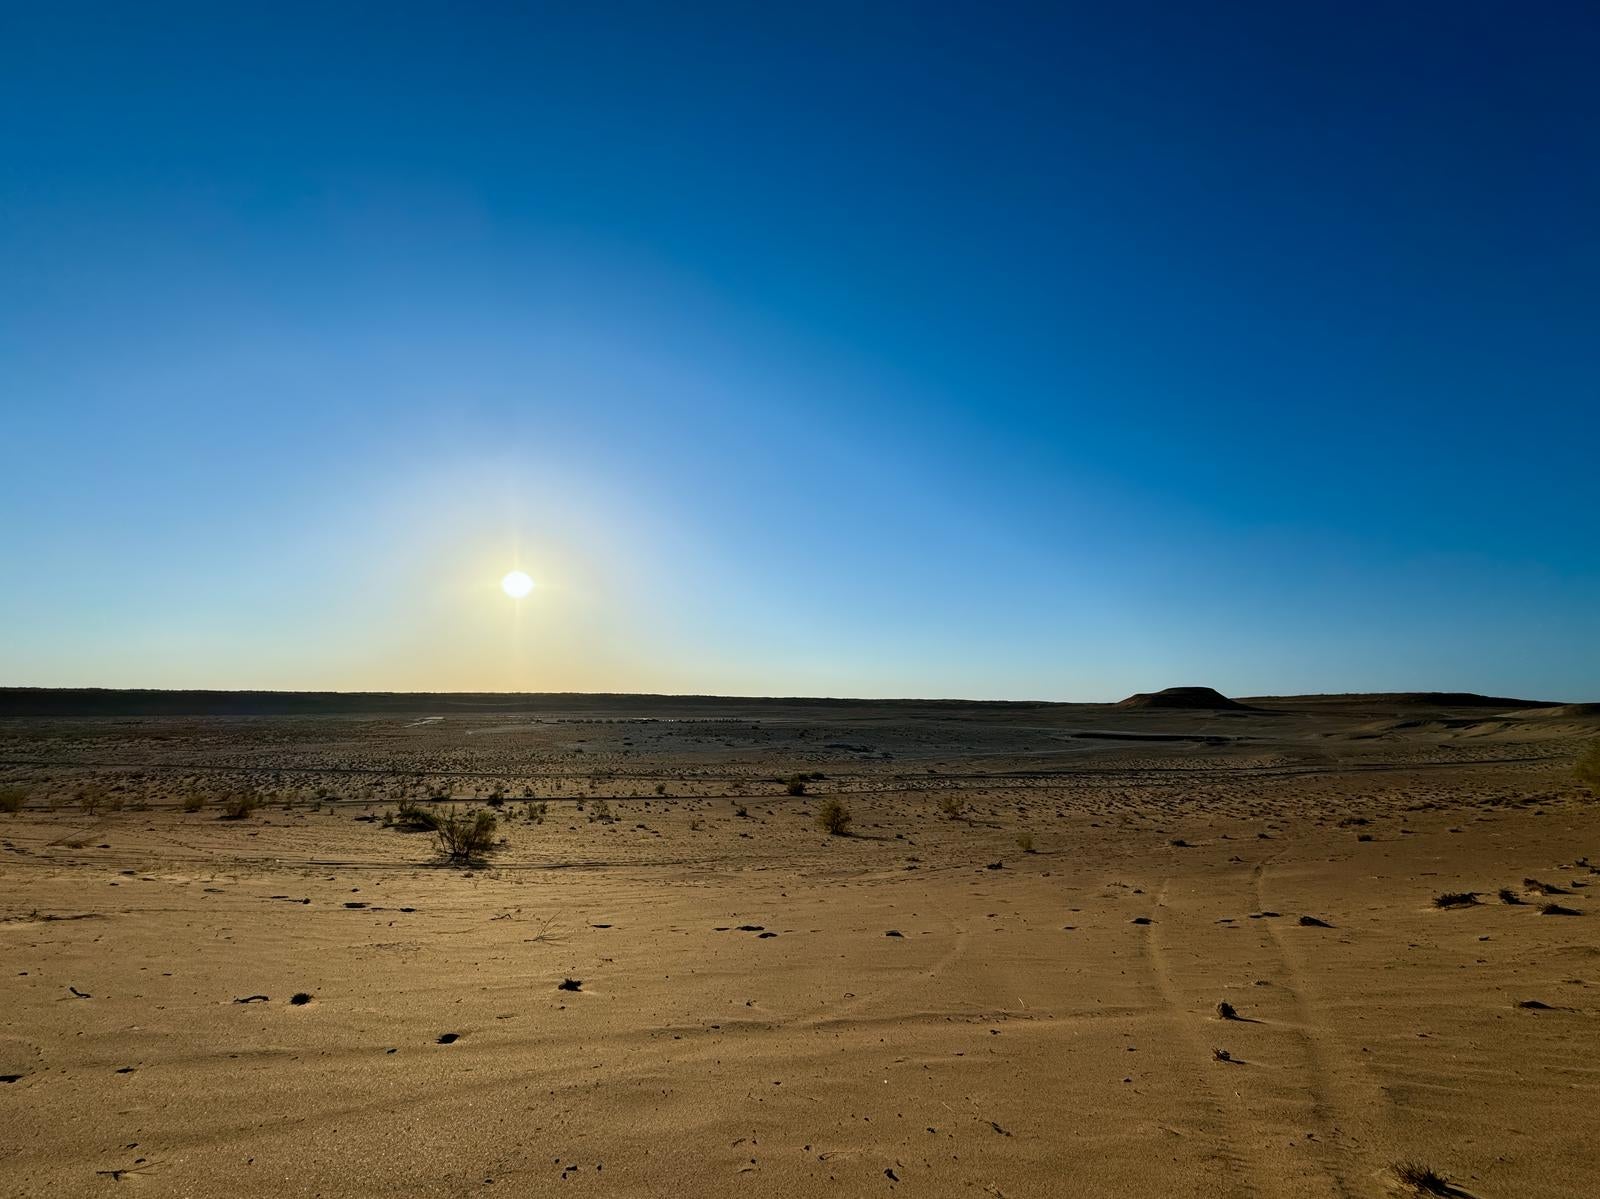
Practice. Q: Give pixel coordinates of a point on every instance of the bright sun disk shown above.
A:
(516, 584)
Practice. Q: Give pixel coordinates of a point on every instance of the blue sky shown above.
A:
(987, 351)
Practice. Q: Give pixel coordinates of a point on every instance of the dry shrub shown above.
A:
(466, 838)
(238, 806)
(414, 818)
(833, 818)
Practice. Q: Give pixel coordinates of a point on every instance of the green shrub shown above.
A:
(953, 806)
(833, 818)
(466, 838)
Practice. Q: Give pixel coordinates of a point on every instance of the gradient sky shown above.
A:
(985, 350)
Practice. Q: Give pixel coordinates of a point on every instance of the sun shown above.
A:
(516, 584)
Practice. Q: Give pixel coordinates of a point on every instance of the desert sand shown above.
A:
(670, 981)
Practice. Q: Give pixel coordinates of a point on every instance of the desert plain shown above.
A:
(1166, 948)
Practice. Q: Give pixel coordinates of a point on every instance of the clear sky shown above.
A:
(853, 349)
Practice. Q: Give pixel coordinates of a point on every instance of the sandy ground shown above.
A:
(923, 1007)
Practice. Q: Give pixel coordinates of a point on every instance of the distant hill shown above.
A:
(1184, 698)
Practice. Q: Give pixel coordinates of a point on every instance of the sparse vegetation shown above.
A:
(833, 818)
(465, 838)
(193, 803)
(796, 786)
(953, 807)
(1025, 843)
(12, 799)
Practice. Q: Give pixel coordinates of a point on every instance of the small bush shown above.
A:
(1587, 768)
(1226, 1011)
(465, 838)
(833, 818)
(238, 806)
(1025, 842)
(193, 803)
(1455, 899)
(12, 799)
(414, 818)
(953, 807)
(600, 810)
(796, 786)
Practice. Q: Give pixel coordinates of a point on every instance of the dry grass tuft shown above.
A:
(1423, 1180)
